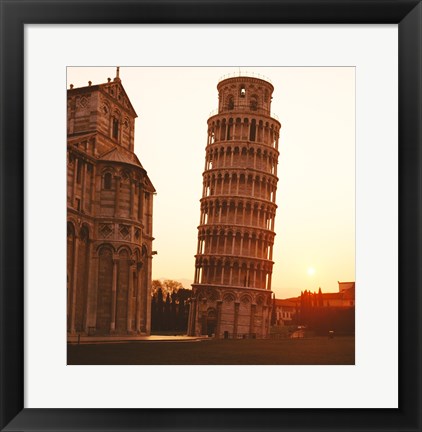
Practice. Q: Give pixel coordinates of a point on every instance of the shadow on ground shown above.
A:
(308, 351)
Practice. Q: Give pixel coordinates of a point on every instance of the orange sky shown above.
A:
(315, 221)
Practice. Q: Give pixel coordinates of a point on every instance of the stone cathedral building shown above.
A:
(232, 282)
(109, 215)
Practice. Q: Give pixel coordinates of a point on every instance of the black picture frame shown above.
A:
(14, 15)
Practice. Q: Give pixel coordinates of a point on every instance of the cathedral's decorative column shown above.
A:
(130, 311)
(83, 187)
(92, 292)
(75, 175)
(74, 282)
(117, 197)
(114, 296)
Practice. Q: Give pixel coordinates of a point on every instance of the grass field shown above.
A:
(310, 351)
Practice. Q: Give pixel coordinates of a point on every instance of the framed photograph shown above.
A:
(97, 334)
(249, 158)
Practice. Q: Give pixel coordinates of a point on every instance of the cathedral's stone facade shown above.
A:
(109, 215)
(232, 283)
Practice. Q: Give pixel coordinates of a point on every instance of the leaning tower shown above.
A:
(233, 267)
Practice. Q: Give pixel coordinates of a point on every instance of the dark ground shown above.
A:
(308, 351)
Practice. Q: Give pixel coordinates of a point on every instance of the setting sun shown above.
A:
(311, 271)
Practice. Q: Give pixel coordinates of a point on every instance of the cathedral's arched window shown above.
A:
(84, 234)
(70, 230)
(115, 128)
(107, 181)
(242, 91)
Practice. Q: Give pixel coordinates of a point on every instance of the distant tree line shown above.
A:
(322, 319)
(169, 306)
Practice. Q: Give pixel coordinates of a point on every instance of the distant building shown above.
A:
(287, 311)
(109, 215)
(324, 311)
(317, 307)
(342, 286)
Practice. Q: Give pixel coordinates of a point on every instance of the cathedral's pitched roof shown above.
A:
(119, 98)
(114, 155)
(124, 102)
